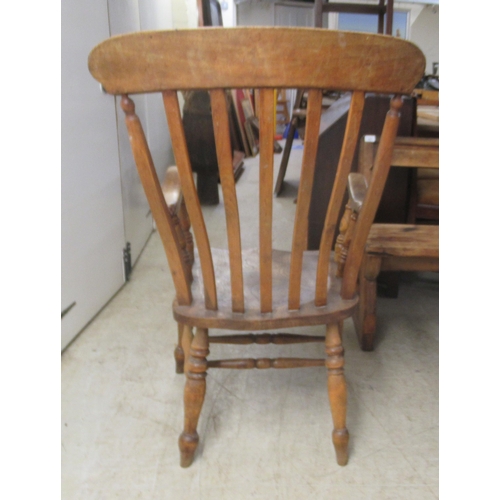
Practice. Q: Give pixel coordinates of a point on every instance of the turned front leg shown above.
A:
(337, 390)
(194, 395)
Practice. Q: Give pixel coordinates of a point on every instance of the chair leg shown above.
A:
(365, 318)
(185, 336)
(179, 351)
(194, 395)
(337, 390)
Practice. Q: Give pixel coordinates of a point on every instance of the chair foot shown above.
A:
(194, 395)
(340, 438)
(187, 446)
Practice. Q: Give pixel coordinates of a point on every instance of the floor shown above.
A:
(264, 434)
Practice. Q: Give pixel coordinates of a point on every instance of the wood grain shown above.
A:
(266, 163)
(403, 240)
(286, 58)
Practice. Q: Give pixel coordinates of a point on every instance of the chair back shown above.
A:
(264, 59)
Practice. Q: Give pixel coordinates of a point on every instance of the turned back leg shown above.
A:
(194, 395)
(337, 391)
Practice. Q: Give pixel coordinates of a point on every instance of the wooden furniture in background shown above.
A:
(389, 247)
(259, 289)
(384, 9)
(393, 207)
(424, 191)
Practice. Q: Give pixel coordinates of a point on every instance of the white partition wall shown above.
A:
(103, 205)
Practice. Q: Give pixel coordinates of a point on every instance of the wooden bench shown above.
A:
(391, 247)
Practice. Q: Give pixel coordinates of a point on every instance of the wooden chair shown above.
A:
(258, 289)
(389, 247)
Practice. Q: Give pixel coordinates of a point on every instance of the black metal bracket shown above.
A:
(127, 261)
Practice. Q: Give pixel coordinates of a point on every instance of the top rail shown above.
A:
(204, 58)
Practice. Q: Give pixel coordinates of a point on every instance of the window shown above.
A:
(368, 23)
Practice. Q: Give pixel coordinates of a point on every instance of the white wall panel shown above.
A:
(124, 18)
(92, 217)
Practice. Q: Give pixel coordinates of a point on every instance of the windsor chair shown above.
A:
(259, 289)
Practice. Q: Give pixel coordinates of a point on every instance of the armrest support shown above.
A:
(171, 188)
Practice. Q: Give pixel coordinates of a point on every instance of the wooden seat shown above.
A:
(256, 289)
(389, 247)
(252, 319)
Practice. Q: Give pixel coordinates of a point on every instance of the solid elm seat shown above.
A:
(240, 289)
(252, 319)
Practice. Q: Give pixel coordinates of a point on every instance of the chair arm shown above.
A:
(357, 186)
(171, 187)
